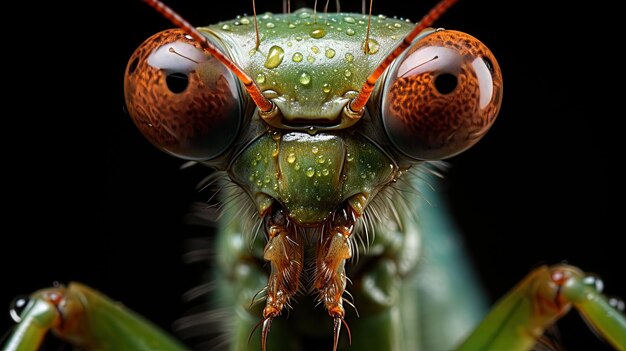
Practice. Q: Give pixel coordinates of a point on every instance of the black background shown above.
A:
(87, 198)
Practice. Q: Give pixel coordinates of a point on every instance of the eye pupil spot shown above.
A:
(446, 83)
(133, 66)
(489, 64)
(177, 82)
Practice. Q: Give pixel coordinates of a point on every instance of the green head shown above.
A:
(310, 67)
(311, 154)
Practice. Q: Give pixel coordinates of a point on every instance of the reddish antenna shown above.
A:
(262, 103)
(358, 104)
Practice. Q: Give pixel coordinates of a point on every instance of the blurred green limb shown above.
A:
(87, 319)
(521, 317)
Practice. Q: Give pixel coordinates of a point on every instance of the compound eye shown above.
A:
(442, 96)
(182, 100)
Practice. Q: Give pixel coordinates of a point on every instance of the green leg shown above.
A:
(537, 302)
(37, 318)
(87, 319)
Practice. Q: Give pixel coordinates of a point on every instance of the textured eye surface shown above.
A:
(184, 101)
(442, 96)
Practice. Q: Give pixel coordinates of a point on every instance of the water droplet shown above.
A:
(310, 59)
(349, 19)
(252, 52)
(259, 182)
(347, 73)
(393, 37)
(275, 57)
(291, 158)
(617, 303)
(297, 57)
(299, 38)
(267, 15)
(258, 156)
(305, 78)
(349, 157)
(260, 78)
(289, 44)
(270, 25)
(349, 57)
(318, 33)
(226, 27)
(397, 25)
(305, 15)
(315, 49)
(297, 166)
(330, 53)
(237, 23)
(382, 16)
(363, 175)
(266, 180)
(350, 31)
(245, 21)
(374, 46)
(315, 149)
(310, 172)
(594, 281)
(326, 88)
(292, 26)
(325, 171)
(320, 159)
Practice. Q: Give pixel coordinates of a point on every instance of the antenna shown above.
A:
(358, 104)
(366, 45)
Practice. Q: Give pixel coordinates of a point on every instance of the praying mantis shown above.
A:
(275, 327)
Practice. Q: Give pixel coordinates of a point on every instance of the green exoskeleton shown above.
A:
(324, 131)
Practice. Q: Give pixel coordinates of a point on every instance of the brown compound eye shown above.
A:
(182, 99)
(442, 96)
